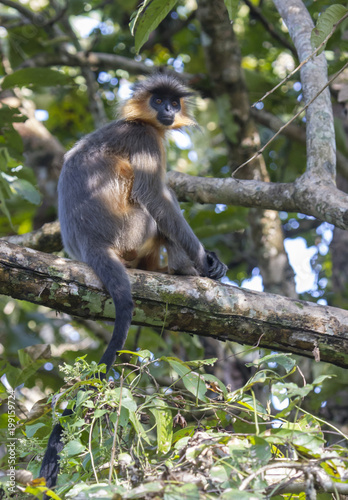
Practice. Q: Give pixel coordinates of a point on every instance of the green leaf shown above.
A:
(99, 412)
(145, 490)
(214, 381)
(319, 380)
(164, 424)
(147, 18)
(174, 492)
(30, 430)
(10, 115)
(241, 495)
(139, 429)
(38, 491)
(325, 24)
(281, 359)
(123, 418)
(290, 390)
(219, 474)
(202, 362)
(232, 6)
(43, 77)
(31, 359)
(260, 450)
(74, 447)
(25, 190)
(13, 140)
(127, 398)
(3, 206)
(191, 380)
(248, 402)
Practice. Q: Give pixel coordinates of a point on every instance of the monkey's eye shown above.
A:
(158, 101)
(174, 104)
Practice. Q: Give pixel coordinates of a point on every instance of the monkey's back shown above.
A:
(95, 188)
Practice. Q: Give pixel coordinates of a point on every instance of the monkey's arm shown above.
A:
(150, 191)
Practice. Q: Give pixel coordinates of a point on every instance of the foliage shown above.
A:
(16, 181)
(191, 436)
(151, 12)
(326, 23)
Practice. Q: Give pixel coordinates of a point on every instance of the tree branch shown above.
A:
(188, 304)
(92, 60)
(46, 239)
(320, 133)
(325, 202)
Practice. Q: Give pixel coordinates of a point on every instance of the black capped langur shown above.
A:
(116, 211)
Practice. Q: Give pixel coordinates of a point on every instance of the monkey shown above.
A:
(116, 211)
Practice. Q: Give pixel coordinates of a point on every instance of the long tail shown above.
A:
(114, 276)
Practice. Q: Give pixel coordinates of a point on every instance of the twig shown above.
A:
(91, 451)
(260, 151)
(113, 450)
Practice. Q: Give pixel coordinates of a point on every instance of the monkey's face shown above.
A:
(166, 107)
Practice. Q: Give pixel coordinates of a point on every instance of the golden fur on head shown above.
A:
(138, 108)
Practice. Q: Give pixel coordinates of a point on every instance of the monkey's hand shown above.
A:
(216, 269)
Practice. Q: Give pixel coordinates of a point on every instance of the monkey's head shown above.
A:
(161, 100)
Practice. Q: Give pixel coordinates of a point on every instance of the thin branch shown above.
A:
(113, 449)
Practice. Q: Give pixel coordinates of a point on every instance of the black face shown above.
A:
(166, 107)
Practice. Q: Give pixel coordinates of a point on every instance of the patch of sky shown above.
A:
(104, 77)
(193, 156)
(85, 24)
(41, 115)
(297, 86)
(220, 208)
(69, 333)
(279, 406)
(325, 230)
(255, 282)
(300, 260)
(181, 139)
(109, 96)
(124, 91)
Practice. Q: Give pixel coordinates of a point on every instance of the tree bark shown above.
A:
(223, 60)
(188, 304)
